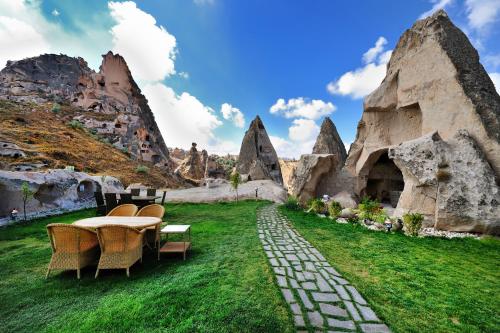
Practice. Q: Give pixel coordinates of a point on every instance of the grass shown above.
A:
(225, 285)
(414, 284)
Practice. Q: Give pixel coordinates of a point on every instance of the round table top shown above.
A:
(131, 221)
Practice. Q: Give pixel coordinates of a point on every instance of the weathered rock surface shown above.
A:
(313, 174)
(193, 166)
(221, 190)
(345, 199)
(450, 182)
(287, 171)
(53, 190)
(434, 83)
(113, 103)
(215, 167)
(257, 158)
(329, 141)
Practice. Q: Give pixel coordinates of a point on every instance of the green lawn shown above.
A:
(414, 284)
(225, 285)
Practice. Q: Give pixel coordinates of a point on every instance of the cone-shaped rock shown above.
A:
(329, 141)
(258, 159)
(434, 83)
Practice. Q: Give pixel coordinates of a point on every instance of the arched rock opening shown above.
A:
(86, 189)
(48, 193)
(384, 181)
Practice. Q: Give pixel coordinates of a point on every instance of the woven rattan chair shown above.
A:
(111, 201)
(100, 205)
(121, 247)
(73, 247)
(135, 192)
(153, 233)
(124, 210)
(125, 198)
(151, 192)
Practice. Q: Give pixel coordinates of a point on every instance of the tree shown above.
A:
(235, 182)
(27, 194)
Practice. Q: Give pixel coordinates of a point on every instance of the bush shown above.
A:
(75, 124)
(142, 169)
(368, 208)
(334, 209)
(56, 108)
(292, 203)
(317, 206)
(412, 223)
(380, 217)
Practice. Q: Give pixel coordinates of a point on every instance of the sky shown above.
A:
(208, 67)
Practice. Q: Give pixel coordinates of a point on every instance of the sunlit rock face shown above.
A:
(111, 102)
(258, 159)
(434, 84)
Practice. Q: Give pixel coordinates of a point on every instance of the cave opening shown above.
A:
(86, 189)
(385, 181)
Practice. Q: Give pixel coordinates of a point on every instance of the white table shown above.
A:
(139, 222)
(176, 247)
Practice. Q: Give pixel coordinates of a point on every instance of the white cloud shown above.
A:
(149, 49)
(184, 75)
(373, 52)
(481, 13)
(362, 81)
(20, 40)
(182, 119)
(495, 77)
(303, 130)
(301, 107)
(438, 4)
(55, 12)
(289, 149)
(229, 112)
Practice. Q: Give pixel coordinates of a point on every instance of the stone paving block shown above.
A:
(302, 256)
(374, 328)
(295, 309)
(340, 280)
(283, 262)
(332, 310)
(279, 270)
(291, 257)
(289, 271)
(342, 292)
(287, 293)
(299, 321)
(270, 254)
(309, 276)
(316, 319)
(325, 297)
(281, 281)
(274, 262)
(322, 284)
(333, 283)
(367, 313)
(278, 254)
(300, 276)
(309, 266)
(346, 324)
(298, 268)
(352, 310)
(309, 286)
(294, 284)
(305, 299)
(332, 270)
(356, 295)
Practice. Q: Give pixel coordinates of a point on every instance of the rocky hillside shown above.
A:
(36, 137)
(108, 102)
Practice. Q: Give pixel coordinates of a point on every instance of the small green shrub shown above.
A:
(334, 209)
(56, 108)
(367, 208)
(317, 206)
(125, 151)
(292, 203)
(412, 223)
(142, 169)
(380, 217)
(75, 124)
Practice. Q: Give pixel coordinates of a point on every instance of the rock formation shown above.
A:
(287, 171)
(329, 141)
(258, 159)
(54, 191)
(437, 113)
(193, 166)
(113, 104)
(316, 174)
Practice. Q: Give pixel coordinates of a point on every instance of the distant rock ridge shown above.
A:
(112, 103)
(258, 159)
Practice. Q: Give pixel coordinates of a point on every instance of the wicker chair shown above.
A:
(121, 247)
(153, 233)
(125, 198)
(73, 247)
(111, 201)
(151, 192)
(101, 206)
(124, 210)
(135, 192)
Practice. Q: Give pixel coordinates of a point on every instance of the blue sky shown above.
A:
(208, 67)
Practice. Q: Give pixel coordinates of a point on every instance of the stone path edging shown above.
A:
(316, 293)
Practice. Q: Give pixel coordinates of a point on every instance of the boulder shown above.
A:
(313, 173)
(257, 156)
(347, 213)
(54, 191)
(193, 166)
(287, 170)
(345, 199)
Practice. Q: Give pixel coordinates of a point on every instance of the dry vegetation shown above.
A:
(47, 138)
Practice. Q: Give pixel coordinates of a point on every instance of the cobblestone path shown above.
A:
(316, 293)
